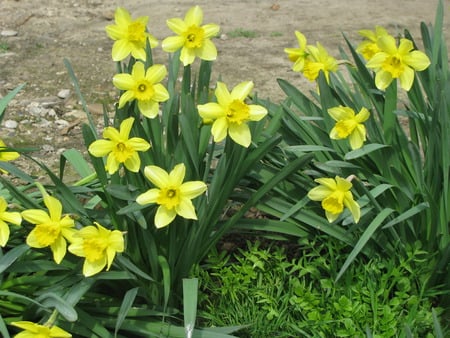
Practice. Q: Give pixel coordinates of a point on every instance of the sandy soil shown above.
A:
(50, 30)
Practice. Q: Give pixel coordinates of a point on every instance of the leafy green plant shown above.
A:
(288, 290)
(242, 33)
(400, 174)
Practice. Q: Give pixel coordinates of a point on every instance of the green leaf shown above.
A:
(367, 149)
(4, 101)
(126, 305)
(190, 293)
(366, 236)
(11, 256)
(3, 330)
(50, 299)
(78, 162)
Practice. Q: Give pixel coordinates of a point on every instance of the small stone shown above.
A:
(10, 124)
(62, 123)
(63, 93)
(8, 32)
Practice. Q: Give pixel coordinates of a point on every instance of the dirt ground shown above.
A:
(37, 35)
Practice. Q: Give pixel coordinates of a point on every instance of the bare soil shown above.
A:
(253, 36)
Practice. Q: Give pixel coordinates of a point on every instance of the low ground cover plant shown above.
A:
(180, 163)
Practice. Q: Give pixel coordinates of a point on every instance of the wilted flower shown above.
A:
(230, 114)
(33, 330)
(5, 218)
(142, 85)
(52, 228)
(335, 194)
(193, 39)
(99, 247)
(172, 195)
(396, 62)
(349, 125)
(131, 36)
(119, 147)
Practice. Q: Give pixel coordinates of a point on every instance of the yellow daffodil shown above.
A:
(6, 156)
(5, 218)
(335, 194)
(193, 39)
(33, 330)
(318, 60)
(369, 47)
(172, 195)
(397, 62)
(142, 85)
(298, 55)
(99, 247)
(119, 147)
(52, 229)
(130, 36)
(231, 114)
(349, 125)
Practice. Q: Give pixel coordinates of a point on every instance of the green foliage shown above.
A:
(242, 33)
(400, 176)
(291, 292)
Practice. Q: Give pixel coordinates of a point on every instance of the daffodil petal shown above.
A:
(240, 133)
(123, 81)
(112, 165)
(121, 49)
(100, 148)
(125, 128)
(36, 216)
(186, 209)
(407, 78)
(164, 216)
(156, 73)
(319, 193)
(59, 248)
(54, 207)
(172, 43)
(219, 129)
(327, 182)
(133, 163)
(176, 176)
(222, 94)
(211, 111)
(357, 137)
(242, 90)
(187, 56)
(341, 113)
(148, 197)
(417, 60)
(138, 144)
(210, 30)
(112, 134)
(194, 16)
(159, 177)
(352, 206)
(192, 189)
(330, 216)
(149, 109)
(94, 267)
(256, 112)
(383, 79)
(177, 25)
(11, 217)
(207, 51)
(126, 97)
(4, 233)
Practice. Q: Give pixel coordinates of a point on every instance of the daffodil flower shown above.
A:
(142, 85)
(396, 62)
(6, 156)
(33, 330)
(369, 47)
(130, 35)
(318, 60)
(52, 228)
(173, 196)
(99, 247)
(230, 114)
(193, 39)
(119, 147)
(5, 218)
(298, 55)
(349, 125)
(335, 194)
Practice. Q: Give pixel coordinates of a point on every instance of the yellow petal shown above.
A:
(219, 129)
(211, 111)
(192, 189)
(407, 78)
(352, 206)
(159, 177)
(387, 44)
(207, 51)
(256, 112)
(330, 183)
(59, 248)
(116, 241)
(331, 217)
(11, 217)
(126, 97)
(4, 233)
(417, 60)
(164, 216)
(383, 79)
(36, 216)
(121, 49)
(122, 17)
(94, 267)
(377, 60)
(186, 209)
(138, 52)
(319, 193)
(101, 148)
(54, 207)
(242, 90)
(176, 176)
(177, 25)
(222, 94)
(172, 43)
(405, 46)
(363, 115)
(32, 240)
(138, 144)
(194, 16)
(112, 134)
(115, 32)
(240, 133)
(149, 108)
(156, 73)
(125, 128)
(148, 197)
(210, 30)
(76, 247)
(187, 56)
(341, 113)
(133, 163)
(124, 81)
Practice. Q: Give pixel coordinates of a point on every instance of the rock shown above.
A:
(8, 32)
(64, 93)
(10, 124)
